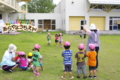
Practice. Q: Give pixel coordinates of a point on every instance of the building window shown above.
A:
(114, 23)
(0, 16)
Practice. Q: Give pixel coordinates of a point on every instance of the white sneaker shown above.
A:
(71, 77)
(62, 77)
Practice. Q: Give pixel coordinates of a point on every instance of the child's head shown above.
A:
(60, 34)
(22, 54)
(56, 35)
(81, 46)
(29, 55)
(36, 47)
(92, 47)
(48, 34)
(67, 45)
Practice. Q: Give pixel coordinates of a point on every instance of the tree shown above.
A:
(41, 6)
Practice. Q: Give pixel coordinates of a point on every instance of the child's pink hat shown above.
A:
(48, 33)
(37, 46)
(91, 46)
(67, 43)
(22, 53)
(19, 53)
(60, 33)
(81, 46)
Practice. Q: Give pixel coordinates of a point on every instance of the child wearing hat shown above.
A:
(60, 39)
(80, 56)
(36, 59)
(67, 60)
(48, 39)
(30, 66)
(92, 61)
(23, 62)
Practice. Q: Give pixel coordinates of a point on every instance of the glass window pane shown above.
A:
(39, 21)
(110, 28)
(53, 27)
(118, 26)
(53, 21)
(110, 22)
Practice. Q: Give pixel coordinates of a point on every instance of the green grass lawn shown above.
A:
(109, 56)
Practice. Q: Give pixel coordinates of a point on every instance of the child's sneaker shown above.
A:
(78, 76)
(62, 77)
(71, 77)
(94, 76)
(90, 77)
(37, 74)
(84, 77)
(10, 70)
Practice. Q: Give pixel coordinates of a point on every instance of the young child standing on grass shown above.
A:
(23, 63)
(56, 39)
(81, 61)
(36, 59)
(92, 60)
(67, 60)
(60, 39)
(48, 39)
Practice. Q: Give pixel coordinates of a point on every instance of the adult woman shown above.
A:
(8, 63)
(94, 39)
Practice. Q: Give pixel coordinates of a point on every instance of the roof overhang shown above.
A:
(107, 5)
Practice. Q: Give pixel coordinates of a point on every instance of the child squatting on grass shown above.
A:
(92, 61)
(67, 60)
(48, 39)
(23, 62)
(36, 59)
(80, 56)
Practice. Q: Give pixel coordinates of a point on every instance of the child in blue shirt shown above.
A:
(67, 60)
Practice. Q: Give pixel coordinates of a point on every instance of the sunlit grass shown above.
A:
(109, 67)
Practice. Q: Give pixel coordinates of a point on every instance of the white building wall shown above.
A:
(43, 16)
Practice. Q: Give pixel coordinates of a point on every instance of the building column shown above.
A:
(107, 23)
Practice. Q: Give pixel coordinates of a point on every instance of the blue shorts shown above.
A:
(67, 68)
(23, 68)
(92, 68)
(41, 64)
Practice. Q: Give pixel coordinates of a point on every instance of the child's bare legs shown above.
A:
(70, 74)
(36, 70)
(91, 72)
(42, 68)
(14, 67)
(64, 74)
(94, 72)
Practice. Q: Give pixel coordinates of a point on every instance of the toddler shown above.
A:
(92, 60)
(67, 60)
(48, 39)
(36, 59)
(56, 39)
(60, 39)
(80, 56)
(23, 63)
(30, 66)
(41, 64)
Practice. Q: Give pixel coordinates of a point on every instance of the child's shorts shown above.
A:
(49, 41)
(92, 68)
(23, 68)
(56, 40)
(41, 64)
(67, 68)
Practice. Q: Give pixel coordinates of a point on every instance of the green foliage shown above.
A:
(109, 56)
(41, 6)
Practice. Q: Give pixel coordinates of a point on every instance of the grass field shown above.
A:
(109, 56)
